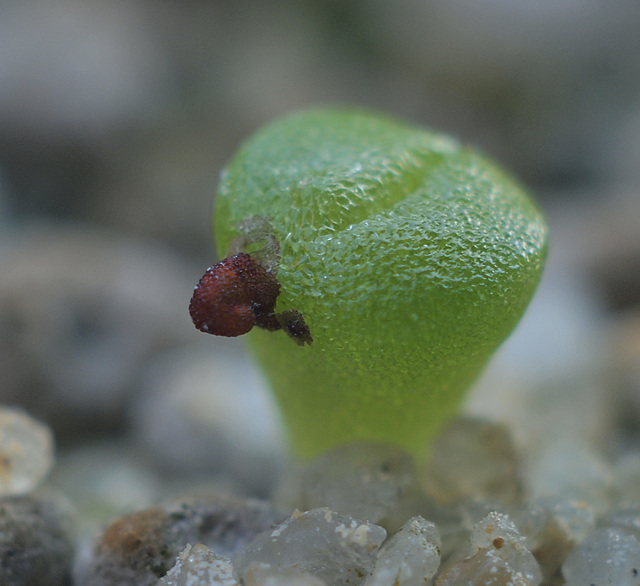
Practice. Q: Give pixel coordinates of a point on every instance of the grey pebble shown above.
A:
(36, 541)
(142, 547)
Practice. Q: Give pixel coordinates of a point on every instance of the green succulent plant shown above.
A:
(405, 257)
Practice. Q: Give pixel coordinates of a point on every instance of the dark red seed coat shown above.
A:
(233, 296)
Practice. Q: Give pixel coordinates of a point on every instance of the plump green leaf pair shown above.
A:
(410, 258)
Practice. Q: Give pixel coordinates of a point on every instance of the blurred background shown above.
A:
(116, 119)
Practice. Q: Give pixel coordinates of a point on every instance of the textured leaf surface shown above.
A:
(410, 257)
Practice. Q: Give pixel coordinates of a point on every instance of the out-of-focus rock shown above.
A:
(552, 528)
(569, 470)
(607, 556)
(207, 411)
(626, 479)
(140, 548)
(623, 369)
(26, 451)
(73, 77)
(559, 73)
(105, 480)
(366, 481)
(36, 541)
(81, 311)
(473, 458)
(69, 67)
(609, 244)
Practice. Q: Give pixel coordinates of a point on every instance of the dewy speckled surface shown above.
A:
(410, 257)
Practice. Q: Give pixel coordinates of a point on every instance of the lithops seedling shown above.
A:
(401, 261)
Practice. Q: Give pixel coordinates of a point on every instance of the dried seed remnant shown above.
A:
(238, 293)
(294, 325)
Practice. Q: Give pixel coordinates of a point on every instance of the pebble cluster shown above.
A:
(37, 537)
(359, 514)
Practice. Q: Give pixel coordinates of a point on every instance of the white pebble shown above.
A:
(485, 568)
(199, 566)
(499, 556)
(608, 557)
(26, 452)
(410, 557)
(553, 527)
(498, 531)
(623, 516)
(334, 548)
(569, 470)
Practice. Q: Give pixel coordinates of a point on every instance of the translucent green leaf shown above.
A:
(410, 258)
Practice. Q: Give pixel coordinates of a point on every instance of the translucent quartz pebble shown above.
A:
(333, 547)
(26, 451)
(198, 566)
(266, 575)
(569, 469)
(410, 557)
(576, 518)
(498, 531)
(454, 525)
(625, 517)
(552, 529)
(626, 478)
(499, 556)
(472, 512)
(473, 458)
(608, 557)
(485, 568)
(364, 480)
(464, 516)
